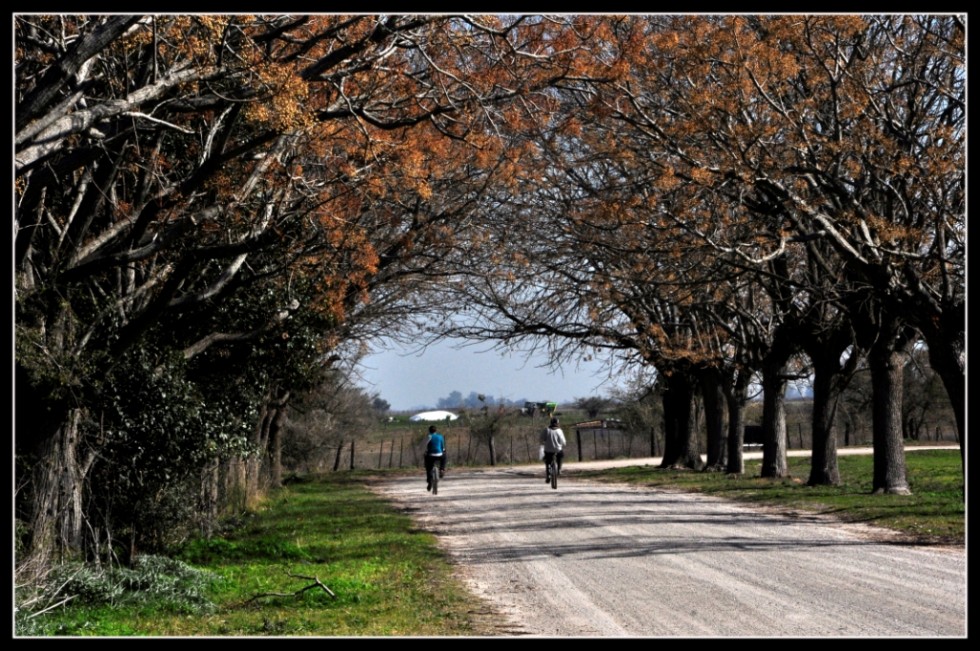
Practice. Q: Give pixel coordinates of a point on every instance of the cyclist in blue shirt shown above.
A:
(435, 450)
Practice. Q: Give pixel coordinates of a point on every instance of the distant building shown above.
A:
(433, 416)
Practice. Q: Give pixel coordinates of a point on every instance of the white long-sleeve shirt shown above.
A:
(553, 439)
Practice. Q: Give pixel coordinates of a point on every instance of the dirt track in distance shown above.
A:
(599, 559)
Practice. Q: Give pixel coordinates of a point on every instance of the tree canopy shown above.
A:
(215, 212)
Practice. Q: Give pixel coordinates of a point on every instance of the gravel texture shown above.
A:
(597, 559)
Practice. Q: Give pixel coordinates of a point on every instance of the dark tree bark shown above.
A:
(254, 466)
(736, 395)
(53, 462)
(710, 380)
(885, 334)
(826, 346)
(210, 500)
(55, 522)
(275, 435)
(67, 66)
(823, 463)
(774, 447)
(948, 358)
(680, 435)
(886, 359)
(275, 449)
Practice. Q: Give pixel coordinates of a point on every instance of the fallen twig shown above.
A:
(316, 584)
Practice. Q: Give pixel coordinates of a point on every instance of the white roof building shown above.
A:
(433, 416)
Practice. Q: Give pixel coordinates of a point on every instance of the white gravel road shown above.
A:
(595, 559)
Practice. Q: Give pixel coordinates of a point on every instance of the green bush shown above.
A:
(155, 582)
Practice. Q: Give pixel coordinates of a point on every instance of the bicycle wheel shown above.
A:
(435, 480)
(553, 471)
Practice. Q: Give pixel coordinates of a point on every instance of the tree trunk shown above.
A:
(680, 435)
(275, 448)
(711, 392)
(949, 360)
(736, 395)
(886, 360)
(57, 481)
(884, 333)
(235, 485)
(943, 326)
(254, 464)
(774, 462)
(209, 508)
(271, 442)
(826, 392)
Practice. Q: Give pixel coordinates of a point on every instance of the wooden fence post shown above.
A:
(336, 460)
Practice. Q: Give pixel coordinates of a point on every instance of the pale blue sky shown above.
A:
(410, 382)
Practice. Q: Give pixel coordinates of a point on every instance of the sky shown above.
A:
(410, 382)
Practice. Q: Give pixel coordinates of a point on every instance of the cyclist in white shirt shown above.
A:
(552, 439)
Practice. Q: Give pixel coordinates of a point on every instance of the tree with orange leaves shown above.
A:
(212, 208)
(844, 129)
(820, 158)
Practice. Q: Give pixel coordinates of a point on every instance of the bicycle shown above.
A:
(553, 470)
(432, 476)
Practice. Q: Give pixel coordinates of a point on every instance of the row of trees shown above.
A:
(742, 196)
(474, 400)
(213, 212)
(336, 428)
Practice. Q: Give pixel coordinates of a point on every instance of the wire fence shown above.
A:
(519, 445)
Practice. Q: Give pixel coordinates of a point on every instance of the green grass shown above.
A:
(933, 514)
(390, 578)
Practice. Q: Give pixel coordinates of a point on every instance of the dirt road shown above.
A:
(594, 559)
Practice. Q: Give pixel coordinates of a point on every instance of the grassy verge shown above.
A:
(269, 575)
(388, 578)
(933, 514)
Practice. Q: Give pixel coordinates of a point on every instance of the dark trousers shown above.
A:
(431, 461)
(558, 458)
